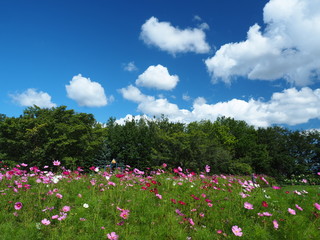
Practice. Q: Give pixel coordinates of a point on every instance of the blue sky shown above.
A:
(257, 61)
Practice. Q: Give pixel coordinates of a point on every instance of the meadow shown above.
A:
(56, 203)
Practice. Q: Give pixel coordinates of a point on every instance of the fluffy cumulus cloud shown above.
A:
(287, 48)
(86, 92)
(32, 97)
(133, 93)
(172, 39)
(148, 104)
(290, 107)
(157, 77)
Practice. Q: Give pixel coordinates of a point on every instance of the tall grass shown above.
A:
(159, 205)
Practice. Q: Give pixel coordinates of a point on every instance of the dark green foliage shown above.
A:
(228, 146)
(40, 136)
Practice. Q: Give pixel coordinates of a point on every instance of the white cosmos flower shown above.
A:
(85, 205)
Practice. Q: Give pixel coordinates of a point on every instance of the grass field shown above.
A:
(162, 204)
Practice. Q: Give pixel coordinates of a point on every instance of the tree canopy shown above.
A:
(41, 135)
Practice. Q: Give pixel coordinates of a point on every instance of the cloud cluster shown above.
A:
(86, 92)
(32, 97)
(288, 107)
(173, 39)
(157, 77)
(288, 47)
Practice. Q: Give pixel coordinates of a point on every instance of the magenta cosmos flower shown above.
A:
(18, 205)
(237, 231)
(317, 206)
(112, 236)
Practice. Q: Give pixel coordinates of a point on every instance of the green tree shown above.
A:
(42, 135)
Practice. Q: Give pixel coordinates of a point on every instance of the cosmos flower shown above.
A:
(291, 211)
(45, 221)
(298, 207)
(56, 163)
(86, 205)
(237, 231)
(275, 224)
(18, 205)
(248, 205)
(66, 209)
(112, 236)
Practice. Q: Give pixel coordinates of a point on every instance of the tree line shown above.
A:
(229, 146)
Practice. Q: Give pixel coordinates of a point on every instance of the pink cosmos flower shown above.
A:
(291, 211)
(112, 236)
(45, 221)
(124, 213)
(248, 205)
(298, 207)
(317, 206)
(18, 205)
(164, 165)
(55, 216)
(275, 224)
(191, 221)
(159, 196)
(237, 231)
(112, 184)
(318, 173)
(56, 163)
(66, 209)
(58, 195)
(207, 168)
(276, 187)
(263, 179)
(267, 214)
(179, 212)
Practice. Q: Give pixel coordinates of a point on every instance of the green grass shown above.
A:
(151, 217)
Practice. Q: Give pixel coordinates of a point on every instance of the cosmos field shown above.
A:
(53, 202)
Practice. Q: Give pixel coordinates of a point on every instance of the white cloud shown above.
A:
(288, 47)
(156, 107)
(130, 67)
(85, 92)
(31, 97)
(132, 93)
(290, 107)
(186, 97)
(130, 117)
(157, 77)
(173, 39)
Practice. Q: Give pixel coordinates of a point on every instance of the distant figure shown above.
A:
(113, 164)
(253, 178)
